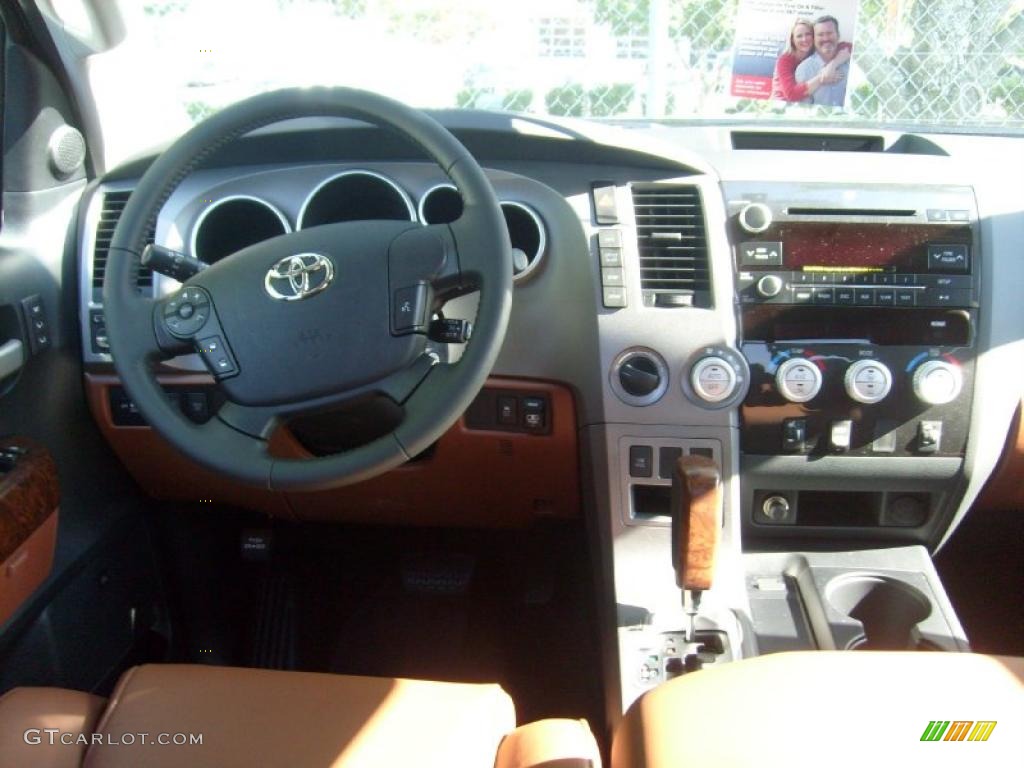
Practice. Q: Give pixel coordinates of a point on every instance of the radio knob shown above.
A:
(713, 379)
(868, 381)
(769, 286)
(798, 380)
(755, 217)
(937, 382)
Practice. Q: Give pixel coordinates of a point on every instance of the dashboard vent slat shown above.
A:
(672, 243)
(112, 207)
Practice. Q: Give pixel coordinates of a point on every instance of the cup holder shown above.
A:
(889, 610)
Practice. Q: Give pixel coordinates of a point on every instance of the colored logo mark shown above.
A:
(958, 730)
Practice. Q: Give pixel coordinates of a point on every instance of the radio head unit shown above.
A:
(828, 246)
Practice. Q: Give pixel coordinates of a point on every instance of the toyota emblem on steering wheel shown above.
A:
(299, 277)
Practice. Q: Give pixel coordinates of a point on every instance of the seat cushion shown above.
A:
(252, 717)
(554, 743)
(828, 708)
(27, 713)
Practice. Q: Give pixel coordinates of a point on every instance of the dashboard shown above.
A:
(839, 331)
(807, 328)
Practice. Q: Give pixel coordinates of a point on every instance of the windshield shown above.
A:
(926, 64)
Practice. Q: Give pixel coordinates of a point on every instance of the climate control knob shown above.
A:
(755, 218)
(868, 381)
(937, 382)
(769, 286)
(713, 379)
(798, 380)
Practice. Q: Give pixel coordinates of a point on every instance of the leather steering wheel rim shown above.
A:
(441, 393)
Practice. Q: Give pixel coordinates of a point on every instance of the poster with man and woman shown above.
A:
(794, 51)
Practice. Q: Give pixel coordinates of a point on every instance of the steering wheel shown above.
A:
(315, 319)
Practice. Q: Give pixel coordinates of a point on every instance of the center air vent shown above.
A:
(672, 244)
(110, 213)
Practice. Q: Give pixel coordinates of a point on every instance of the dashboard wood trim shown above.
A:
(455, 486)
(29, 495)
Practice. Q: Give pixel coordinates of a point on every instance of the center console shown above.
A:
(827, 368)
(858, 313)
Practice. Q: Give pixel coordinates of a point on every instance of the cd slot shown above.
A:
(878, 326)
(881, 212)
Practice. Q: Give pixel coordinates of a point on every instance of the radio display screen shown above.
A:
(836, 246)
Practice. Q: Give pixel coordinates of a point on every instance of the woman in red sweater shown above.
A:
(799, 47)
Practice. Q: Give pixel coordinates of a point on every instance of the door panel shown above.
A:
(29, 496)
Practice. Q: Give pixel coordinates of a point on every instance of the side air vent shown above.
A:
(672, 243)
(110, 213)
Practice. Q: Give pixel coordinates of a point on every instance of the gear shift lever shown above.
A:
(696, 527)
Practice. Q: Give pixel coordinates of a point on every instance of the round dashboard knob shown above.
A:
(713, 379)
(798, 380)
(769, 286)
(639, 376)
(868, 381)
(937, 382)
(755, 217)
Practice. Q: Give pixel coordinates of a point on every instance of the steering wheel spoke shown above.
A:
(258, 422)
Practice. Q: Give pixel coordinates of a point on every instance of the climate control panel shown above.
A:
(843, 398)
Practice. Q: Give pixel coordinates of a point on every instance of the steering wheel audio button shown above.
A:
(216, 356)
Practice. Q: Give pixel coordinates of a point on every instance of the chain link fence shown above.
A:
(928, 62)
(941, 63)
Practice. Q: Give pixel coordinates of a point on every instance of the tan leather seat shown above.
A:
(249, 717)
(830, 708)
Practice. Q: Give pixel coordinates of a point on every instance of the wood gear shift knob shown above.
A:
(696, 520)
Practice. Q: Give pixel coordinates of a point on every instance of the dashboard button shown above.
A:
(612, 276)
(824, 296)
(611, 257)
(668, 456)
(803, 295)
(939, 297)
(641, 459)
(605, 209)
(609, 238)
(760, 253)
(929, 436)
(865, 297)
(845, 296)
(905, 297)
(947, 282)
(508, 411)
(885, 297)
(409, 312)
(613, 297)
(948, 258)
(839, 436)
(794, 435)
(937, 214)
(535, 411)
